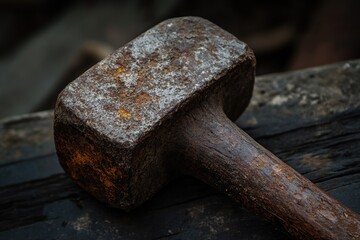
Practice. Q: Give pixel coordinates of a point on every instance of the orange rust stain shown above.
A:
(86, 168)
(107, 182)
(118, 72)
(81, 159)
(123, 113)
(77, 161)
(142, 98)
(113, 171)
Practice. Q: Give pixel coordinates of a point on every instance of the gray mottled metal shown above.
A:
(130, 92)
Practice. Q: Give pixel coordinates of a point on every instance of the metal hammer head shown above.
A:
(113, 124)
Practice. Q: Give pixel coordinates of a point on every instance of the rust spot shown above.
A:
(89, 160)
(78, 159)
(107, 183)
(118, 73)
(113, 171)
(123, 113)
(142, 98)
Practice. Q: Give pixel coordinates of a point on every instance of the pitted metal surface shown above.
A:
(131, 91)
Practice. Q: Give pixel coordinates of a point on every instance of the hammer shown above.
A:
(162, 105)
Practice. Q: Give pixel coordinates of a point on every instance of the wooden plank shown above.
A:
(308, 118)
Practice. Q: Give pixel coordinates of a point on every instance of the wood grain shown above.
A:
(321, 141)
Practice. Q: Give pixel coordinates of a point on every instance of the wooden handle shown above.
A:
(222, 155)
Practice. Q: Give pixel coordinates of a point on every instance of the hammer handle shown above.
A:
(216, 151)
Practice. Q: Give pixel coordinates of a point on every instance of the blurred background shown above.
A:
(46, 44)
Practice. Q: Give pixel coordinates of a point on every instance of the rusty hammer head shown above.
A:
(113, 124)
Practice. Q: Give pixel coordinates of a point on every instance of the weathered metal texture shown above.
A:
(129, 93)
(112, 124)
(108, 135)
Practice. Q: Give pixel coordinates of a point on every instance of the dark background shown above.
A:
(46, 44)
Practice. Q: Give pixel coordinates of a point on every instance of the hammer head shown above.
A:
(113, 123)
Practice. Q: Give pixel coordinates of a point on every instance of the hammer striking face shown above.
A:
(112, 124)
(160, 105)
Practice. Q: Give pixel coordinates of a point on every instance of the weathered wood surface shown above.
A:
(310, 119)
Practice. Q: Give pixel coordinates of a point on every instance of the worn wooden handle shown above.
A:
(222, 155)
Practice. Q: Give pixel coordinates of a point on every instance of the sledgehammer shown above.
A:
(162, 105)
